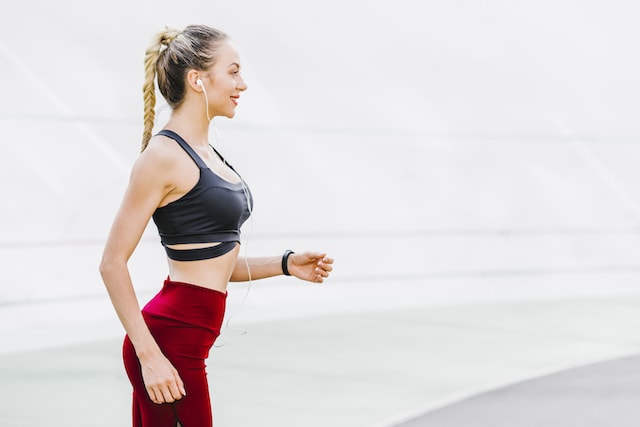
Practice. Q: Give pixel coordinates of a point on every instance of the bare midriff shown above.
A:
(213, 273)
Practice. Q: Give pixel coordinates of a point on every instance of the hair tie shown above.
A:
(170, 35)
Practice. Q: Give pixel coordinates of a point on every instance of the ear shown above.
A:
(192, 80)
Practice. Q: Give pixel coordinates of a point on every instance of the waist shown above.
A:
(189, 304)
(211, 273)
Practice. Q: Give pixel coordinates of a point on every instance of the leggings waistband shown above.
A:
(191, 287)
(188, 304)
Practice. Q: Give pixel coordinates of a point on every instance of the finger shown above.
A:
(325, 267)
(152, 395)
(321, 273)
(166, 393)
(180, 384)
(175, 388)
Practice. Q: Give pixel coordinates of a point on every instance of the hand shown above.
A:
(310, 266)
(162, 381)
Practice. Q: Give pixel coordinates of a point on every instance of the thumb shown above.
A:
(315, 255)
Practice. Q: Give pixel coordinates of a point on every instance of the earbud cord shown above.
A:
(245, 190)
(206, 104)
(245, 245)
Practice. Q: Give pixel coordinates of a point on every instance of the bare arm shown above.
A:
(309, 266)
(147, 188)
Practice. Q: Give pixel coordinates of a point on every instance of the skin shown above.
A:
(164, 173)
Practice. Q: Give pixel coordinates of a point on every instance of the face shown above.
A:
(223, 82)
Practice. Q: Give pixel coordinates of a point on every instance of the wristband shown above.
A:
(285, 258)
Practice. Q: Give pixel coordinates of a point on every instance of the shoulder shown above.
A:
(158, 160)
(161, 150)
(162, 153)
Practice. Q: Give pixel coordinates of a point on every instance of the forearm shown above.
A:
(259, 268)
(310, 266)
(117, 280)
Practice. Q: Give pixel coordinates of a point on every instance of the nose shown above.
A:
(241, 85)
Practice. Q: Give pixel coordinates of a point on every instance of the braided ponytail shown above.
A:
(159, 44)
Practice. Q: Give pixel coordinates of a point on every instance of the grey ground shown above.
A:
(601, 394)
(381, 368)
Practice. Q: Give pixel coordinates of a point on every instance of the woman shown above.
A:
(198, 202)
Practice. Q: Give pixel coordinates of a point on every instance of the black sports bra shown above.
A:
(212, 211)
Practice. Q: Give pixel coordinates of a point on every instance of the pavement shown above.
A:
(436, 363)
(599, 394)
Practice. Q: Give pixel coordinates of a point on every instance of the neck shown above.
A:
(190, 124)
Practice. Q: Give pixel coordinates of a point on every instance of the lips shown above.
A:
(235, 99)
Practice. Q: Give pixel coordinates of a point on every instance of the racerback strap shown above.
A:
(186, 147)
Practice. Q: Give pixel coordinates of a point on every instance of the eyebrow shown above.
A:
(234, 63)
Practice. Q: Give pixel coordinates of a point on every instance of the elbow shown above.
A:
(108, 265)
(104, 268)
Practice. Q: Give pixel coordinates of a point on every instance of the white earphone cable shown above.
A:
(245, 245)
(206, 103)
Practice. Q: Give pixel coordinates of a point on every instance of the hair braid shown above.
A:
(149, 95)
(158, 46)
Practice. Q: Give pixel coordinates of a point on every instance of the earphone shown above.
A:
(206, 99)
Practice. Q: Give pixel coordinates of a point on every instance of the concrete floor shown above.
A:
(373, 368)
(595, 395)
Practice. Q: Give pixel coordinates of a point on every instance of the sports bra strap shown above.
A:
(223, 159)
(186, 147)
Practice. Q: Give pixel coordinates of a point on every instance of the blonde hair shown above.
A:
(169, 56)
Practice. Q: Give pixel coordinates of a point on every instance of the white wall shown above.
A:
(410, 139)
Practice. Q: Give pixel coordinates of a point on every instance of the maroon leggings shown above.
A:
(185, 321)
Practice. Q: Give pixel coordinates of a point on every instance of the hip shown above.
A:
(189, 305)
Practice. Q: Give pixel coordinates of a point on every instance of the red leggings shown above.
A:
(185, 321)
